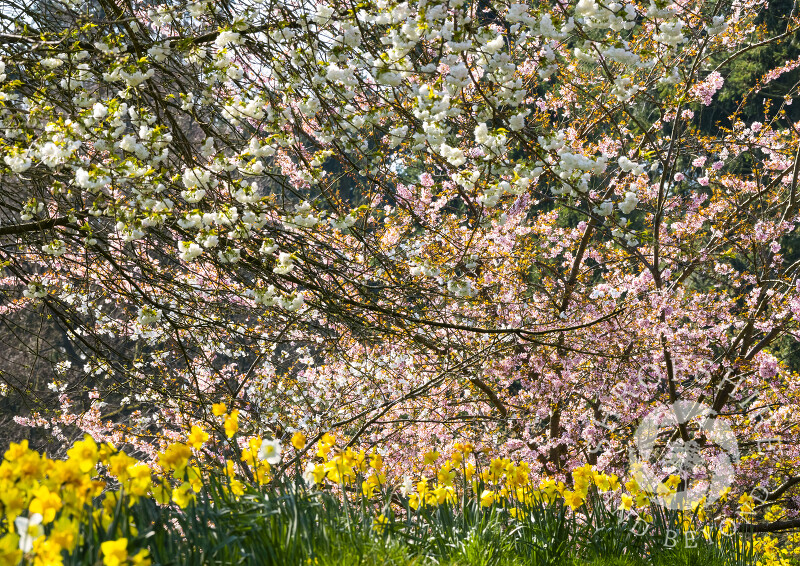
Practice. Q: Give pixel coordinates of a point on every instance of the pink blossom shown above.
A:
(426, 180)
(768, 366)
(706, 90)
(777, 72)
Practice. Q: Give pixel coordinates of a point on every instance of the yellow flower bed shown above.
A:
(45, 501)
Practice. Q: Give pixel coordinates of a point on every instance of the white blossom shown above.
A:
(453, 155)
(516, 122)
(148, 315)
(604, 209)
(18, 163)
(586, 8)
(718, 26)
(630, 202)
(189, 250)
(51, 62)
(670, 33)
(55, 248)
(229, 255)
(226, 37)
(285, 263)
(197, 177)
(495, 45)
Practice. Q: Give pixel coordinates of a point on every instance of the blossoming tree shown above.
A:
(408, 222)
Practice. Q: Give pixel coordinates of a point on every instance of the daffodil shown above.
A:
(314, 473)
(430, 457)
(47, 552)
(446, 474)
(627, 502)
(380, 523)
(65, 532)
(464, 449)
(299, 440)
(642, 500)
(45, 503)
(138, 479)
(115, 552)
(183, 495)
(573, 498)
(28, 529)
(141, 558)
(445, 494)
(175, 457)
(232, 423)
(85, 453)
(605, 482)
(270, 451)
(162, 492)
(197, 437)
(118, 465)
(325, 445)
(10, 552)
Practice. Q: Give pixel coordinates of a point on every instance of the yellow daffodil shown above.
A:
(175, 457)
(10, 554)
(85, 453)
(141, 558)
(47, 552)
(430, 458)
(573, 498)
(183, 495)
(298, 440)
(162, 492)
(444, 494)
(46, 503)
(380, 523)
(446, 474)
(65, 532)
(115, 552)
(138, 479)
(232, 423)
(627, 502)
(197, 437)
